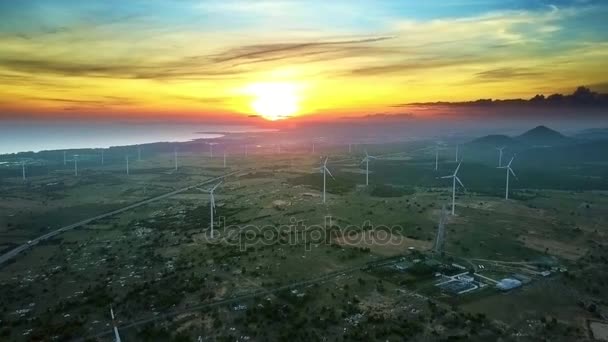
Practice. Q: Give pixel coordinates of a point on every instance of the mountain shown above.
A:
(494, 140)
(593, 134)
(543, 136)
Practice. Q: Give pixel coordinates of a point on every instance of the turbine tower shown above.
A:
(436, 158)
(116, 335)
(366, 161)
(211, 204)
(175, 157)
(127, 159)
(102, 161)
(509, 170)
(75, 165)
(325, 171)
(500, 155)
(440, 238)
(455, 179)
(23, 169)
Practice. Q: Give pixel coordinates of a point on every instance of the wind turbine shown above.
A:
(175, 157)
(325, 171)
(509, 170)
(211, 204)
(211, 148)
(23, 169)
(454, 180)
(116, 335)
(436, 158)
(102, 156)
(366, 161)
(500, 155)
(127, 159)
(75, 165)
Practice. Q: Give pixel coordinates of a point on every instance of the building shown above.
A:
(508, 284)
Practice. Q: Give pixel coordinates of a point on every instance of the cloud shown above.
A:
(501, 74)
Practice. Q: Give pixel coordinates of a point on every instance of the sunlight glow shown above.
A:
(274, 101)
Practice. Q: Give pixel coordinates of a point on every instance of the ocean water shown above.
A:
(38, 136)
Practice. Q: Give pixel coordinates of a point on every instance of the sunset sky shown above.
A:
(276, 58)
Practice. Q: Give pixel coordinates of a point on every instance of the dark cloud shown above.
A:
(581, 97)
(501, 74)
(228, 64)
(277, 50)
(414, 64)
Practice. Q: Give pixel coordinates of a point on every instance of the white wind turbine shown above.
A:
(455, 179)
(127, 160)
(116, 335)
(436, 158)
(509, 170)
(500, 155)
(211, 204)
(75, 165)
(175, 157)
(325, 171)
(366, 161)
(211, 149)
(23, 169)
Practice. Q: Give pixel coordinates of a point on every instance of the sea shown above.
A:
(26, 136)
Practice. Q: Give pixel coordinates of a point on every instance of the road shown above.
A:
(250, 295)
(14, 252)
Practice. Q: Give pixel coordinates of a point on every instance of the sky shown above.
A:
(223, 59)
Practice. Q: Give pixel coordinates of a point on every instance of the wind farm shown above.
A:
(176, 226)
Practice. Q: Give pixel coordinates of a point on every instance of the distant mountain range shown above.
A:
(581, 97)
(538, 136)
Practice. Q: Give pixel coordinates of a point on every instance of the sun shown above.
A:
(274, 101)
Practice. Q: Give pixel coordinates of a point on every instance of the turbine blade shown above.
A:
(332, 176)
(459, 182)
(509, 165)
(218, 184)
(457, 168)
(325, 162)
(444, 177)
(513, 173)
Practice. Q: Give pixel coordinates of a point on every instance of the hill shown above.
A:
(543, 136)
(494, 140)
(593, 134)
